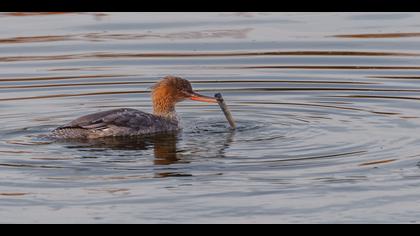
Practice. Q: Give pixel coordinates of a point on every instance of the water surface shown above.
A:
(327, 107)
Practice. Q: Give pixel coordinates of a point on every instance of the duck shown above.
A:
(124, 122)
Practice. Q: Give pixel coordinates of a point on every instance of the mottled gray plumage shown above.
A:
(118, 122)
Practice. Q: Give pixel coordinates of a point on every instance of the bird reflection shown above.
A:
(163, 145)
(164, 148)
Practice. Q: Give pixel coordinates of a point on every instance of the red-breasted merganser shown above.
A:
(130, 122)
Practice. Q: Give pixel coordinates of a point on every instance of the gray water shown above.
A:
(327, 107)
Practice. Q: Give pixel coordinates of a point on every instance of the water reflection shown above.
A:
(164, 146)
(163, 55)
(385, 35)
(165, 150)
(97, 37)
(227, 143)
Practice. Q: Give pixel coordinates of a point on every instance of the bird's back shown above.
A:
(117, 122)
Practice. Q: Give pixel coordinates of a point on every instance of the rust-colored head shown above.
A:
(171, 90)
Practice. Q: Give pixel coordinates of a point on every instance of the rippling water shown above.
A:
(327, 107)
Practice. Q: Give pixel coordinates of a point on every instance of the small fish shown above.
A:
(225, 110)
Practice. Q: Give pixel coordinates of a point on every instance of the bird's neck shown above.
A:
(165, 109)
